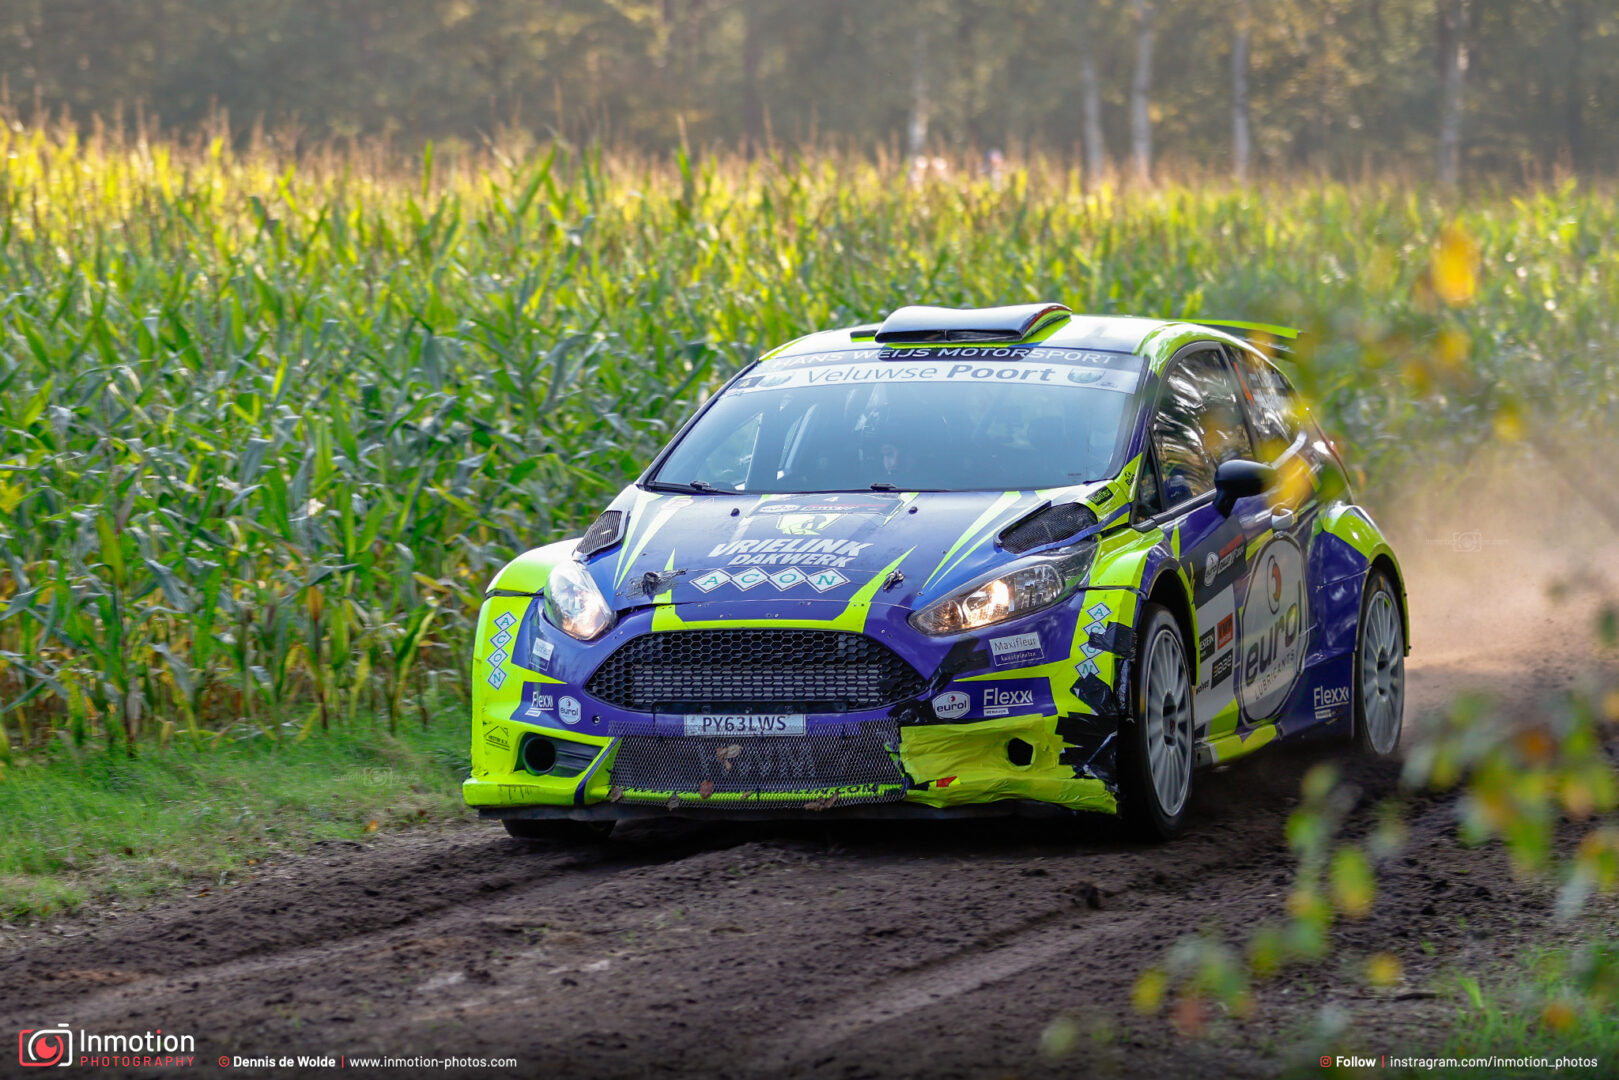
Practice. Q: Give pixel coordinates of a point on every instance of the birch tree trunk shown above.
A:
(921, 103)
(752, 108)
(1141, 92)
(1091, 113)
(1574, 101)
(1453, 84)
(1241, 136)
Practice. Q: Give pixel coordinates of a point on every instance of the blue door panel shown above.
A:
(1337, 572)
(1322, 704)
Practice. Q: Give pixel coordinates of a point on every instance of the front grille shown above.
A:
(815, 771)
(754, 670)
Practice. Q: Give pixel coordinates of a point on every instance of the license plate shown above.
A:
(744, 723)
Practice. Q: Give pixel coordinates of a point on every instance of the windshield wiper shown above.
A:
(696, 487)
(883, 485)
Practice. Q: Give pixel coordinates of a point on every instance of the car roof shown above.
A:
(1155, 339)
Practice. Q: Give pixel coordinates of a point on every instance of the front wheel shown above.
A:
(1379, 669)
(561, 830)
(1156, 747)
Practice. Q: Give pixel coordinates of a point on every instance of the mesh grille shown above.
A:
(1047, 527)
(784, 670)
(602, 532)
(760, 773)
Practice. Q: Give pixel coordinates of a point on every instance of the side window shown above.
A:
(1199, 425)
(1274, 406)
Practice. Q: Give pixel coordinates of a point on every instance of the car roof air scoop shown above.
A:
(932, 325)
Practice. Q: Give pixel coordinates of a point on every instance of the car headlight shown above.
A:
(1018, 591)
(575, 605)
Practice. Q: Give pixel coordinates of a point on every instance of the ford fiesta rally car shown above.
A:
(966, 561)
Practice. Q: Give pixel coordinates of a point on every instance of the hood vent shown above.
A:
(932, 325)
(1050, 525)
(603, 533)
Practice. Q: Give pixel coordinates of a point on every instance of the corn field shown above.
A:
(269, 423)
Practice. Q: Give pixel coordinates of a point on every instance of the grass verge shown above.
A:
(1562, 1007)
(89, 825)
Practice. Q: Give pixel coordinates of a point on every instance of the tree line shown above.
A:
(1453, 88)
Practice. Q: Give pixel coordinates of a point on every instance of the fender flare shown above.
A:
(1355, 527)
(526, 575)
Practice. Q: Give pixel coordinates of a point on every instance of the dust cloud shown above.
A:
(1509, 562)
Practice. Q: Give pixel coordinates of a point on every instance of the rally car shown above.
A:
(1003, 560)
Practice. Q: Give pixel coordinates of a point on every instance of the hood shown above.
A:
(802, 555)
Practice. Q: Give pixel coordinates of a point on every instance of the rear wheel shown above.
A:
(1379, 669)
(1156, 748)
(561, 830)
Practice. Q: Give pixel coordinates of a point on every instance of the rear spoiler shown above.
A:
(1263, 336)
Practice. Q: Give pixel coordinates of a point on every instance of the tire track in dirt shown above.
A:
(308, 907)
(965, 897)
(934, 912)
(894, 1000)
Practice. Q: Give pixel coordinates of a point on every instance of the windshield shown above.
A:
(937, 425)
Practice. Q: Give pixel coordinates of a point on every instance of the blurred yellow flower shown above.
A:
(1557, 1016)
(1353, 886)
(1450, 351)
(1455, 266)
(1508, 422)
(1384, 969)
(1147, 996)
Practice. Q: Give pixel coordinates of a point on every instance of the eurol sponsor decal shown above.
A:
(1016, 650)
(1275, 627)
(984, 700)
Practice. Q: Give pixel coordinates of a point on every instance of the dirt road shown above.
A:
(938, 949)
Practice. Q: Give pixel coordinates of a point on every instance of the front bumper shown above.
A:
(1052, 745)
(900, 811)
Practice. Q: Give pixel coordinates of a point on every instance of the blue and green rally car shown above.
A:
(963, 562)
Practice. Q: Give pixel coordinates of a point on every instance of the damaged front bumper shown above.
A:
(994, 732)
(900, 811)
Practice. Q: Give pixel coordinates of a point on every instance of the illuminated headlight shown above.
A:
(1017, 592)
(575, 605)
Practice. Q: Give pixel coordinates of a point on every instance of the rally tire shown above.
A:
(560, 831)
(1379, 687)
(1156, 748)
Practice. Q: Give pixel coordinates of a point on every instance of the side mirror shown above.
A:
(1238, 479)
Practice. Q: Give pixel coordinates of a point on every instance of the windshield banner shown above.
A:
(936, 368)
